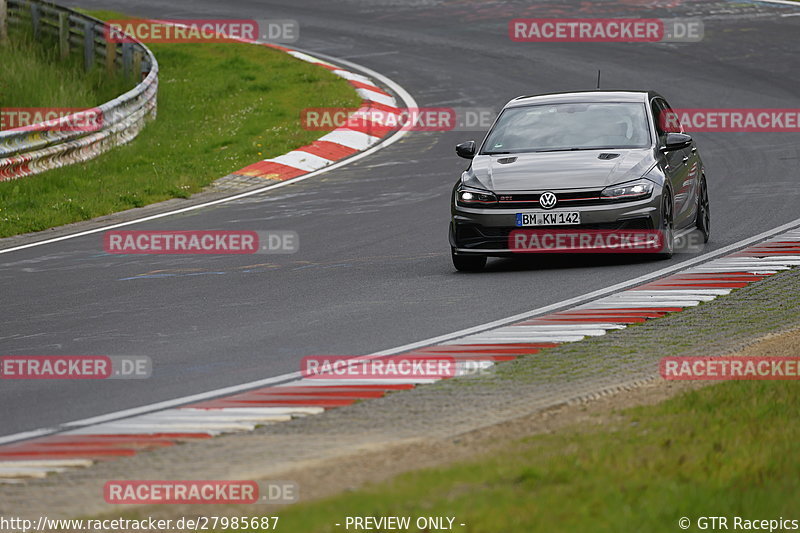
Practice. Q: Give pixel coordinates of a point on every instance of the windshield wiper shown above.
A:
(495, 153)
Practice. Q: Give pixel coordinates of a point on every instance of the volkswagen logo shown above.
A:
(548, 200)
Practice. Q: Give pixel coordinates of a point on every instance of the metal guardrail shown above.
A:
(45, 146)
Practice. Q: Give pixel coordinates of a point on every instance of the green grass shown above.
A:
(221, 107)
(32, 76)
(727, 450)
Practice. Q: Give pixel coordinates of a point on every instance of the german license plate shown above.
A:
(549, 218)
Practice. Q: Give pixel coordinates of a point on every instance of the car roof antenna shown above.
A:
(598, 79)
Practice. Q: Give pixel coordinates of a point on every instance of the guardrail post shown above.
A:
(35, 20)
(3, 19)
(88, 45)
(137, 65)
(111, 56)
(63, 34)
(127, 59)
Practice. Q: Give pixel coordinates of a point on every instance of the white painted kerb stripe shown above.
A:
(302, 160)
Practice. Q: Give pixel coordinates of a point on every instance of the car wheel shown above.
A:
(703, 222)
(468, 263)
(667, 227)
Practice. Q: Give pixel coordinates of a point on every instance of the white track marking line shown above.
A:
(25, 435)
(640, 304)
(482, 339)
(314, 383)
(175, 415)
(408, 101)
(535, 329)
(539, 334)
(593, 325)
(575, 326)
(100, 430)
(783, 258)
(720, 270)
(673, 292)
(49, 462)
(39, 469)
(759, 265)
(275, 411)
(557, 327)
(659, 298)
(781, 2)
(754, 259)
(334, 382)
(168, 427)
(26, 472)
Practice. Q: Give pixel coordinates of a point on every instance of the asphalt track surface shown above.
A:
(373, 270)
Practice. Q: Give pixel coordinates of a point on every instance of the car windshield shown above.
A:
(565, 127)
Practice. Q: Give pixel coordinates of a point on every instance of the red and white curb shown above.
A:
(88, 442)
(339, 144)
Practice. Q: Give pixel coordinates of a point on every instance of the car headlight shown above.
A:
(633, 190)
(468, 197)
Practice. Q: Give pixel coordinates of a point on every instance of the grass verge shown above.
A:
(31, 75)
(221, 106)
(726, 450)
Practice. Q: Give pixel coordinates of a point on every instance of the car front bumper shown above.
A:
(487, 231)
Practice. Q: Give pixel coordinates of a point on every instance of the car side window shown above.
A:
(658, 112)
(670, 121)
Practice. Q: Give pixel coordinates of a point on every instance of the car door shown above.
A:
(676, 163)
(686, 195)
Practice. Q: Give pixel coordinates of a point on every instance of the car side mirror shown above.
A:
(677, 141)
(466, 150)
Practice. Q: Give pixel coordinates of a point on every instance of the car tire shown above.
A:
(703, 222)
(468, 263)
(667, 227)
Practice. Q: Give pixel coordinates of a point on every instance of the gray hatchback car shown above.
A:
(590, 161)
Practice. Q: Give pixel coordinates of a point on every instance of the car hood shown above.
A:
(557, 170)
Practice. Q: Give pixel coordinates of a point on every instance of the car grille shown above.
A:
(565, 199)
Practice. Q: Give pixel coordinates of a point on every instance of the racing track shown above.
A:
(373, 271)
